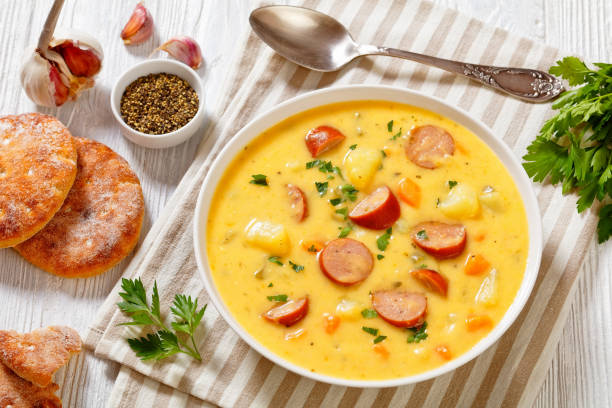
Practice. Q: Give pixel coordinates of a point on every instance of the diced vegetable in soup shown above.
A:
(367, 240)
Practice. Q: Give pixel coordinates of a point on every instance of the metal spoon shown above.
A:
(317, 41)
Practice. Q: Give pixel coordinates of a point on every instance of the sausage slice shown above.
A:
(379, 210)
(322, 138)
(400, 308)
(346, 261)
(431, 280)
(428, 145)
(289, 312)
(298, 203)
(439, 239)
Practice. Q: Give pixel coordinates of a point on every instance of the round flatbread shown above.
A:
(99, 223)
(37, 168)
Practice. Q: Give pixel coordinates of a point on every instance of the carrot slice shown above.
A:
(444, 352)
(409, 192)
(330, 322)
(480, 237)
(477, 322)
(382, 350)
(476, 265)
(312, 246)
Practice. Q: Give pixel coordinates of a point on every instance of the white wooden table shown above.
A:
(581, 373)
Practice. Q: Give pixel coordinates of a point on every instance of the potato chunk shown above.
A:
(349, 309)
(487, 294)
(461, 202)
(492, 199)
(268, 236)
(361, 165)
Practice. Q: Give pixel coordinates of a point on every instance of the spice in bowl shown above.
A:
(158, 103)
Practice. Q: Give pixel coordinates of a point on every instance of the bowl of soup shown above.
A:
(367, 236)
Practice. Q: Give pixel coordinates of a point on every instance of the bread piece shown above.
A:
(15, 392)
(100, 221)
(36, 356)
(37, 169)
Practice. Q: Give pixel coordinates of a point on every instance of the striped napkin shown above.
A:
(233, 375)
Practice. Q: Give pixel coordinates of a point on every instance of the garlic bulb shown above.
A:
(139, 27)
(184, 49)
(60, 68)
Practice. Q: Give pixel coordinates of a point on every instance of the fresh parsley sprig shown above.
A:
(165, 342)
(574, 147)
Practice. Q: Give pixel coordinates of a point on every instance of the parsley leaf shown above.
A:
(390, 126)
(164, 342)
(369, 313)
(321, 187)
(383, 241)
(574, 147)
(418, 334)
(370, 330)
(312, 248)
(259, 179)
(349, 192)
(344, 231)
(296, 267)
(398, 134)
(383, 153)
(379, 339)
(352, 147)
(379, 256)
(278, 298)
(335, 201)
(275, 259)
(325, 167)
(452, 183)
(343, 212)
(422, 235)
(270, 284)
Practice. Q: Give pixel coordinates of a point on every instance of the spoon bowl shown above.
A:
(319, 42)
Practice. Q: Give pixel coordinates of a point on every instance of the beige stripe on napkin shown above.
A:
(233, 375)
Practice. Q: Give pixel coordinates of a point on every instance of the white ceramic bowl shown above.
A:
(365, 92)
(155, 66)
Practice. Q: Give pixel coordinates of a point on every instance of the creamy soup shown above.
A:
(367, 240)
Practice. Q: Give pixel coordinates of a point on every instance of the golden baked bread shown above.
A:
(15, 392)
(99, 223)
(36, 356)
(37, 168)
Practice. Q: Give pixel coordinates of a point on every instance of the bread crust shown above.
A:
(15, 392)
(100, 221)
(36, 356)
(38, 165)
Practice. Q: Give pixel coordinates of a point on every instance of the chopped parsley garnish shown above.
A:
(379, 339)
(398, 134)
(343, 212)
(278, 298)
(390, 126)
(324, 167)
(296, 267)
(370, 330)
(422, 266)
(352, 147)
(259, 179)
(344, 231)
(383, 153)
(312, 248)
(379, 256)
(422, 235)
(335, 201)
(349, 191)
(452, 183)
(270, 284)
(383, 241)
(437, 201)
(321, 187)
(275, 259)
(369, 313)
(418, 334)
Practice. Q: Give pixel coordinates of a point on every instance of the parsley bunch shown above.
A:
(164, 342)
(574, 147)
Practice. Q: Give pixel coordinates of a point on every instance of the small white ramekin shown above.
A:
(155, 66)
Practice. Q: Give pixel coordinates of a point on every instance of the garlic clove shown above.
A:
(81, 52)
(42, 81)
(184, 49)
(139, 27)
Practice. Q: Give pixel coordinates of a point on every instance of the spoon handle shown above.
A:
(528, 84)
